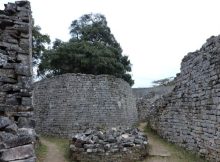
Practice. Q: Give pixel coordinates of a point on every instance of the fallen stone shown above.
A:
(116, 143)
(4, 122)
(33, 159)
(13, 128)
(17, 153)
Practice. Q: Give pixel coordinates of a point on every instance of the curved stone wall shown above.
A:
(70, 103)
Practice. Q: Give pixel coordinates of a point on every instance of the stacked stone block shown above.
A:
(145, 98)
(190, 114)
(112, 145)
(17, 133)
(71, 103)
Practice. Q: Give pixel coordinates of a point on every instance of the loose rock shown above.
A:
(116, 144)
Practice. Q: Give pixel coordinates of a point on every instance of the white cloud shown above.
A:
(155, 34)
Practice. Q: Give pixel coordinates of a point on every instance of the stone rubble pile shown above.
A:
(17, 134)
(16, 143)
(115, 144)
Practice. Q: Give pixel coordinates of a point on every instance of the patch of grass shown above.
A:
(178, 154)
(41, 152)
(62, 143)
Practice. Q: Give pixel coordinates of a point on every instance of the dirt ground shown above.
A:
(53, 154)
(160, 151)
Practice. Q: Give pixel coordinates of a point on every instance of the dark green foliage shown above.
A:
(91, 50)
(93, 28)
(38, 43)
(164, 82)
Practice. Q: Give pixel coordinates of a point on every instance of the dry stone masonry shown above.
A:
(145, 98)
(112, 145)
(156, 91)
(190, 114)
(17, 135)
(71, 103)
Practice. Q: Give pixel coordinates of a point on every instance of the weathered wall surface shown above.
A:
(190, 114)
(157, 91)
(70, 103)
(145, 98)
(16, 125)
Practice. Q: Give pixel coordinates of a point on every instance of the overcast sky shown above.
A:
(155, 34)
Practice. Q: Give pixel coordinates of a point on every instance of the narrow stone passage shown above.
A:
(158, 152)
(53, 154)
(161, 151)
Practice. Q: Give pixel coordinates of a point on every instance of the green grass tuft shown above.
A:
(178, 153)
(41, 152)
(62, 143)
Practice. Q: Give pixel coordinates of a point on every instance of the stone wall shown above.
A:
(190, 114)
(157, 90)
(145, 98)
(71, 103)
(17, 135)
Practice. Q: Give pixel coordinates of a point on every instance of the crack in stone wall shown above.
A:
(17, 134)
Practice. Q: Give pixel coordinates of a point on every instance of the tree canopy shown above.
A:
(93, 28)
(92, 49)
(164, 82)
(39, 41)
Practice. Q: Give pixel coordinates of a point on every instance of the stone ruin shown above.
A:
(190, 114)
(17, 134)
(71, 103)
(112, 145)
(147, 96)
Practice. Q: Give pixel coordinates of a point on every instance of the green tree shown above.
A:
(93, 28)
(39, 41)
(92, 49)
(164, 82)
